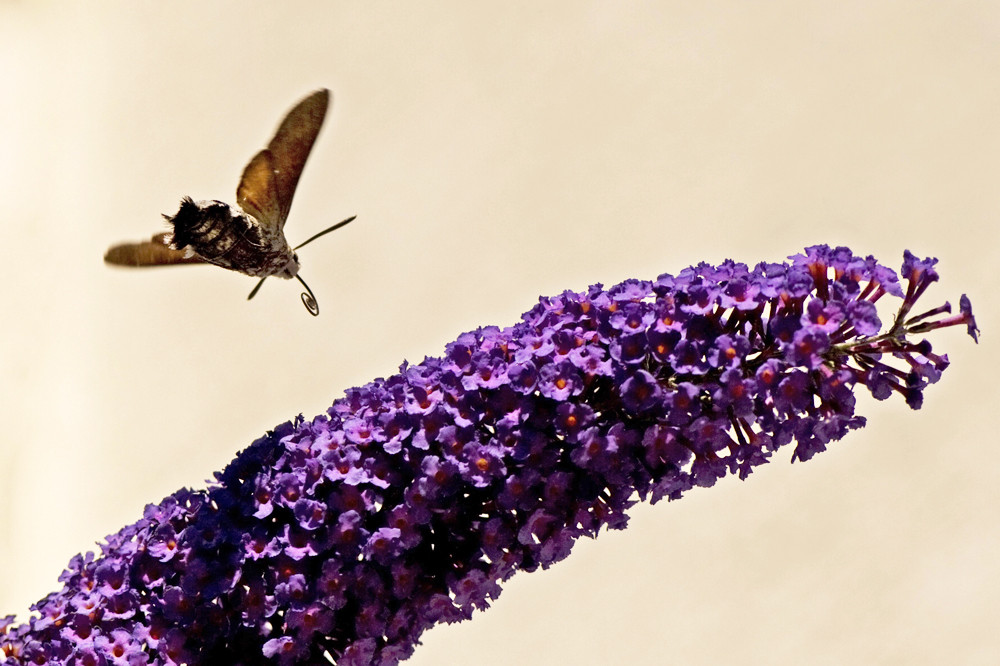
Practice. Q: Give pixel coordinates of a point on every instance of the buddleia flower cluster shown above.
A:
(341, 539)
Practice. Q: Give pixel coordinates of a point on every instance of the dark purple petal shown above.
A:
(965, 307)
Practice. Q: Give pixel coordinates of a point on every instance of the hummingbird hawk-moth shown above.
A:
(247, 236)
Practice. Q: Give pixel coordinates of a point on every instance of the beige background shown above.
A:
(493, 155)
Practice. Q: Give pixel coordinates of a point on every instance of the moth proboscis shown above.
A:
(247, 236)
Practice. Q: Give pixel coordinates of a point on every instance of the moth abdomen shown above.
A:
(200, 224)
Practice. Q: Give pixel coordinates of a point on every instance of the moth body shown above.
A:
(228, 236)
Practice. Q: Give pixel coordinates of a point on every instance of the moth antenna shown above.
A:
(308, 299)
(324, 232)
(257, 288)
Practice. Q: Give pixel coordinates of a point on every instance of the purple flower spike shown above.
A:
(341, 539)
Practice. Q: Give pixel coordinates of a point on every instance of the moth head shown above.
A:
(290, 269)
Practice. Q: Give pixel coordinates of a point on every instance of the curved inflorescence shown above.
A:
(343, 538)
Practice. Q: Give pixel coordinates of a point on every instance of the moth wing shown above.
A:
(292, 144)
(257, 192)
(154, 252)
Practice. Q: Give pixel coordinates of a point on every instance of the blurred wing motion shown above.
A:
(154, 252)
(269, 180)
(292, 144)
(257, 193)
